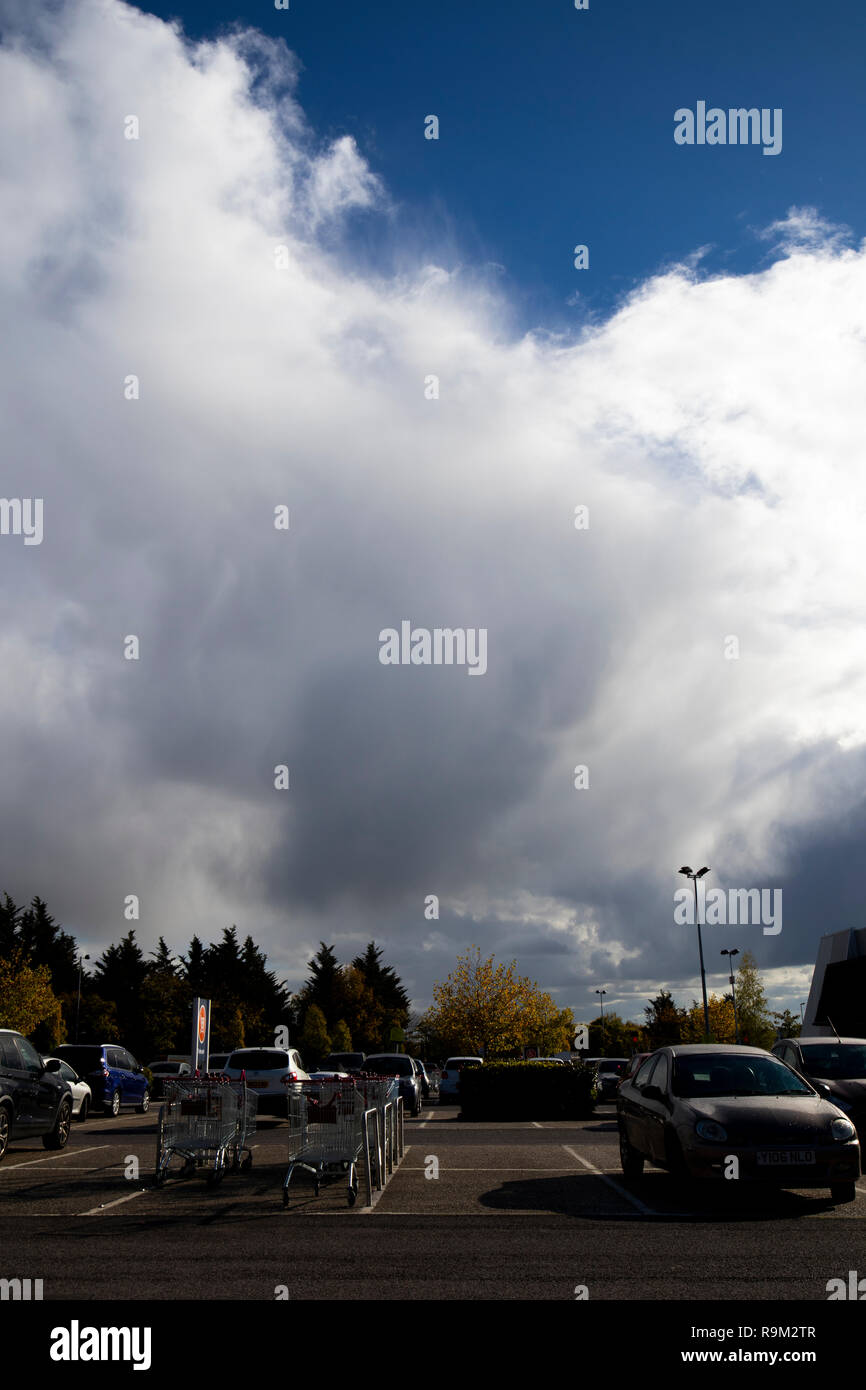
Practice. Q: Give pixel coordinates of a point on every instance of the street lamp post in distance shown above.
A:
(601, 993)
(81, 960)
(694, 878)
(730, 955)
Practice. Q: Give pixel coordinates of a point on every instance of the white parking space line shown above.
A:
(97, 1211)
(635, 1201)
(535, 1124)
(31, 1162)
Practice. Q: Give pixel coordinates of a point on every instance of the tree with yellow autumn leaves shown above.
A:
(489, 1009)
(27, 999)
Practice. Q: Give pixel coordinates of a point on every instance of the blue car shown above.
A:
(113, 1075)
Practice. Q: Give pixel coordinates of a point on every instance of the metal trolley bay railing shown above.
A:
(382, 1093)
(206, 1121)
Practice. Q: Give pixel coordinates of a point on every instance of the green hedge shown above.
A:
(526, 1091)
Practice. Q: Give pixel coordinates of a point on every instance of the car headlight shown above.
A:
(843, 1130)
(709, 1129)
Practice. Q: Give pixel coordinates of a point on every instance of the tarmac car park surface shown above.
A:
(517, 1211)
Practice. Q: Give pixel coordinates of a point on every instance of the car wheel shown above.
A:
(632, 1162)
(59, 1135)
(4, 1130)
(82, 1111)
(145, 1104)
(843, 1191)
(113, 1106)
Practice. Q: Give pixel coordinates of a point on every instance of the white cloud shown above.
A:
(713, 427)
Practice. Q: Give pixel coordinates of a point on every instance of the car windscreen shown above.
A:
(836, 1062)
(721, 1075)
(251, 1059)
(389, 1066)
(81, 1059)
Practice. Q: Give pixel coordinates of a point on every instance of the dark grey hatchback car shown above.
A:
(35, 1101)
(714, 1111)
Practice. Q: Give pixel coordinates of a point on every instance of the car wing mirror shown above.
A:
(823, 1089)
(51, 1065)
(652, 1093)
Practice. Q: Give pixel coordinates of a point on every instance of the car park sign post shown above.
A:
(200, 1049)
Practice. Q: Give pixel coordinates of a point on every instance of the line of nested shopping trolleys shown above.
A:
(335, 1127)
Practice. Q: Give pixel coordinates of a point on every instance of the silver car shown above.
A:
(406, 1071)
(449, 1081)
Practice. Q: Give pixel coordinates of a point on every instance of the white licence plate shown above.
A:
(259, 1085)
(773, 1158)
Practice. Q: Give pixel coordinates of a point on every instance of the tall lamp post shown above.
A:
(601, 993)
(81, 960)
(730, 955)
(802, 1015)
(694, 878)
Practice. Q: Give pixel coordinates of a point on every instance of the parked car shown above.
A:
(608, 1074)
(166, 1071)
(838, 1062)
(407, 1073)
(217, 1061)
(270, 1072)
(82, 1096)
(557, 1061)
(35, 1100)
(449, 1081)
(634, 1065)
(113, 1075)
(429, 1081)
(691, 1109)
(352, 1062)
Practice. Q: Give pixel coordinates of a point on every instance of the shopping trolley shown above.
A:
(206, 1121)
(326, 1124)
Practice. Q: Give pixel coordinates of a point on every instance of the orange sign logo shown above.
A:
(202, 1023)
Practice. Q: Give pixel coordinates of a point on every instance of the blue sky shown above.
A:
(557, 127)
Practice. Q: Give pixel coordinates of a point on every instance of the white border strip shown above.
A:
(67, 1153)
(635, 1201)
(97, 1211)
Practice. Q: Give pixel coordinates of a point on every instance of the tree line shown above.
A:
(667, 1023)
(144, 1001)
(490, 1009)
